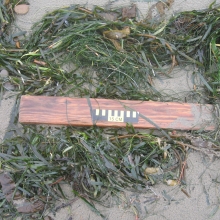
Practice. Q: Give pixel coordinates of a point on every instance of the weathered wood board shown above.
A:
(114, 113)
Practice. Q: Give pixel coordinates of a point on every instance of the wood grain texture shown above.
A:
(76, 112)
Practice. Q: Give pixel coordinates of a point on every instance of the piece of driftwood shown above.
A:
(115, 113)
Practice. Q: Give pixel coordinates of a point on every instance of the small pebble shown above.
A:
(21, 9)
(4, 74)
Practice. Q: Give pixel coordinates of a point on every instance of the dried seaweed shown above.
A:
(87, 158)
(195, 35)
(82, 37)
(9, 190)
(119, 67)
(8, 186)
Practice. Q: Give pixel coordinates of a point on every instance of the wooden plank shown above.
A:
(77, 112)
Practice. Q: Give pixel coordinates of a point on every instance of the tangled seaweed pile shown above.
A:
(125, 54)
(118, 58)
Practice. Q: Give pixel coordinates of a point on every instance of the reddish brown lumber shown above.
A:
(76, 112)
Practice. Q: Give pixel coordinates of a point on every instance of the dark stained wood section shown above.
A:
(76, 112)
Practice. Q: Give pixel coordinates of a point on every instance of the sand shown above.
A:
(202, 174)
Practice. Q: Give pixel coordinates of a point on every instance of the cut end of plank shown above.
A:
(115, 113)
